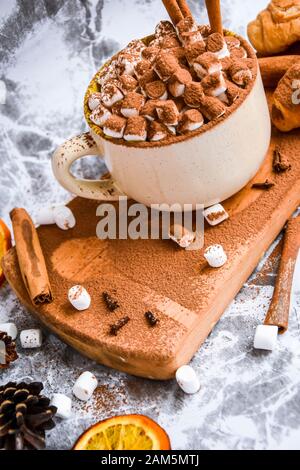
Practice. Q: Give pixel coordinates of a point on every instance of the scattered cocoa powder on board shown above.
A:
(137, 270)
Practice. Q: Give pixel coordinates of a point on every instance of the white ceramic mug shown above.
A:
(205, 168)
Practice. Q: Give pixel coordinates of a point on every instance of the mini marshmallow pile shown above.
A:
(84, 386)
(184, 78)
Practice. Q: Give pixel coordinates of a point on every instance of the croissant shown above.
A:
(286, 101)
(276, 27)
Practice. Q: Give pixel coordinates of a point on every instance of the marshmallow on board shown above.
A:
(215, 256)
(79, 297)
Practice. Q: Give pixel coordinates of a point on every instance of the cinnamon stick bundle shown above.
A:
(31, 258)
(173, 10)
(184, 8)
(278, 313)
(214, 14)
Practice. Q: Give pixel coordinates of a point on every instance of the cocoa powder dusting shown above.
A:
(142, 270)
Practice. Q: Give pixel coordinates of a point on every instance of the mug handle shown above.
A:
(77, 147)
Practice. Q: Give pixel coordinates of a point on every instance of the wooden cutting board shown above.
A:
(186, 294)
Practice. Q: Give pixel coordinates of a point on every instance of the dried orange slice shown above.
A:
(128, 432)
(5, 245)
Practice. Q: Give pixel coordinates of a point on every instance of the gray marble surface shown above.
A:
(49, 50)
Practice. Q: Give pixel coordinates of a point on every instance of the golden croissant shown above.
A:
(276, 27)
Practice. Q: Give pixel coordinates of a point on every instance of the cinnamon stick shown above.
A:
(173, 10)
(214, 14)
(274, 68)
(278, 313)
(31, 258)
(184, 8)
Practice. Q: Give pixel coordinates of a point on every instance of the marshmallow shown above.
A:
(178, 81)
(212, 108)
(192, 51)
(232, 42)
(79, 297)
(127, 63)
(63, 405)
(157, 131)
(217, 45)
(114, 127)
(239, 72)
(164, 28)
(181, 235)
(31, 338)
(127, 83)
(226, 63)
(85, 386)
(61, 215)
(142, 67)
(193, 94)
(214, 84)
(231, 94)
(190, 120)
(165, 65)
(45, 216)
(156, 90)
(215, 256)
(64, 217)
(191, 37)
(110, 94)
(149, 110)
(129, 57)
(116, 108)
(187, 31)
(94, 100)
(206, 64)
(265, 337)
(148, 77)
(215, 214)
(187, 379)
(169, 42)
(180, 103)
(10, 329)
(205, 30)
(167, 112)
(239, 53)
(150, 53)
(132, 104)
(172, 129)
(108, 73)
(136, 129)
(179, 54)
(135, 48)
(100, 115)
(3, 92)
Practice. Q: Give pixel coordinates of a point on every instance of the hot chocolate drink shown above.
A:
(180, 117)
(180, 82)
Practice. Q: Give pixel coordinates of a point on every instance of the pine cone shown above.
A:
(10, 350)
(25, 415)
